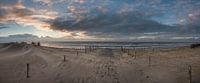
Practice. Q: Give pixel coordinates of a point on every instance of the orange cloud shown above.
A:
(22, 15)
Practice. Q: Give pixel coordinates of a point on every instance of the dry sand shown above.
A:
(47, 65)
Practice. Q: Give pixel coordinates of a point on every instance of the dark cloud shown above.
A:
(23, 36)
(123, 24)
(1, 27)
(10, 2)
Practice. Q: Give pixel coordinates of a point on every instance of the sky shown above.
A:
(122, 20)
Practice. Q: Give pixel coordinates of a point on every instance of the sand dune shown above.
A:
(47, 65)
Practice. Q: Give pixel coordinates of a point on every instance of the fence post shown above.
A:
(190, 73)
(27, 70)
(85, 49)
(149, 61)
(135, 54)
(64, 58)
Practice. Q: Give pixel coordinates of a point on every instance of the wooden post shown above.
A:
(149, 61)
(190, 73)
(154, 51)
(122, 49)
(77, 53)
(89, 48)
(27, 70)
(128, 51)
(85, 49)
(135, 54)
(64, 58)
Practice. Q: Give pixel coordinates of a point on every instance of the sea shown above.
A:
(81, 44)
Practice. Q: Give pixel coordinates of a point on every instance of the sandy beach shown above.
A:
(99, 65)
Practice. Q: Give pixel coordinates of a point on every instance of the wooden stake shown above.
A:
(128, 51)
(86, 49)
(121, 48)
(90, 48)
(135, 54)
(149, 61)
(27, 70)
(190, 73)
(64, 58)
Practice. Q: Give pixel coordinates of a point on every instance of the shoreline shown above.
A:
(99, 47)
(118, 45)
